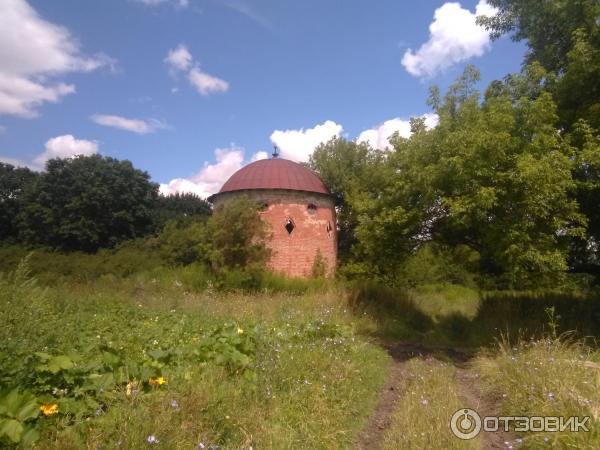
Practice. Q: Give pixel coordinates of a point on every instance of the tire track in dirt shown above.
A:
(391, 394)
(470, 390)
(380, 420)
(371, 436)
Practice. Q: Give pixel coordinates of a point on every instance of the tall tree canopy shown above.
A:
(180, 207)
(13, 182)
(495, 176)
(87, 202)
(564, 37)
(350, 171)
(549, 26)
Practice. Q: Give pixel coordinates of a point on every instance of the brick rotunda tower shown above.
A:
(297, 206)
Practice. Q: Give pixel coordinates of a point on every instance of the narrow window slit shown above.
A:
(289, 225)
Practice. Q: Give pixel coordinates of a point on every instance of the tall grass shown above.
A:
(137, 262)
(546, 377)
(524, 312)
(310, 382)
(459, 316)
(430, 397)
(393, 311)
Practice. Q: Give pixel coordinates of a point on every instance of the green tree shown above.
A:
(187, 242)
(13, 182)
(585, 255)
(234, 237)
(564, 37)
(351, 171)
(86, 203)
(577, 91)
(183, 207)
(494, 175)
(238, 236)
(548, 26)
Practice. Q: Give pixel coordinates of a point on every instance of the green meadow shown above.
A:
(154, 360)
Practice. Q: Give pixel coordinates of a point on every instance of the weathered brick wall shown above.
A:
(294, 253)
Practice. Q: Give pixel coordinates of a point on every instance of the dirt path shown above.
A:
(468, 384)
(381, 417)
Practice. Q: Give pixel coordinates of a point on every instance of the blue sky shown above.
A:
(190, 90)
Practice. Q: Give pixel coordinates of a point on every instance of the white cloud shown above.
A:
(205, 83)
(298, 145)
(33, 51)
(211, 177)
(180, 60)
(65, 146)
(378, 137)
(431, 120)
(454, 37)
(13, 161)
(259, 155)
(138, 126)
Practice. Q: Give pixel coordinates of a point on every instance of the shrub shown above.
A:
(51, 267)
(319, 267)
(238, 236)
(185, 244)
(435, 264)
(239, 279)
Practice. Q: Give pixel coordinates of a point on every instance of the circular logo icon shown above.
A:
(465, 424)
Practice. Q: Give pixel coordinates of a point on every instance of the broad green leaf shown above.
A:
(30, 436)
(58, 363)
(29, 409)
(43, 356)
(158, 354)
(11, 428)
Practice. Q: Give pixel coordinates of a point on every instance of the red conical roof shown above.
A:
(274, 173)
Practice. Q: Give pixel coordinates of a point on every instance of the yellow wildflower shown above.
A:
(154, 381)
(240, 331)
(49, 409)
